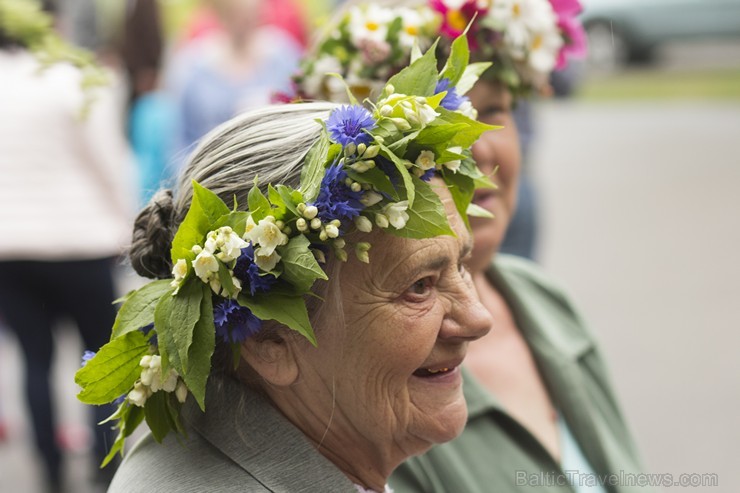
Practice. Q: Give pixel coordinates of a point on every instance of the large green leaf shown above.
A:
(290, 198)
(439, 133)
(201, 350)
(285, 309)
(259, 206)
(314, 168)
(175, 318)
(419, 78)
(408, 184)
(462, 189)
(376, 177)
(465, 137)
(138, 309)
(205, 209)
(458, 60)
(470, 76)
(427, 218)
(236, 220)
(157, 415)
(300, 267)
(113, 370)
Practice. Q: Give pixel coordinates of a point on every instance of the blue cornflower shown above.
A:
(336, 200)
(348, 124)
(249, 274)
(428, 174)
(87, 356)
(234, 323)
(452, 100)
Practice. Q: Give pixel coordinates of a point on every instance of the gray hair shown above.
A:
(269, 144)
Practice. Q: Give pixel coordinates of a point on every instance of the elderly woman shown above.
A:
(258, 401)
(539, 399)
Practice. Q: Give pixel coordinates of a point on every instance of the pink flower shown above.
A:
(571, 29)
(455, 20)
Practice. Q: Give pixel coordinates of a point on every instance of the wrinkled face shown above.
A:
(393, 363)
(496, 150)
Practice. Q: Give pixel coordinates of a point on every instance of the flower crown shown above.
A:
(233, 269)
(525, 40)
(24, 22)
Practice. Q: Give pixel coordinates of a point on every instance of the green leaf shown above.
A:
(474, 210)
(465, 137)
(300, 267)
(419, 78)
(157, 415)
(175, 318)
(226, 281)
(236, 220)
(113, 370)
(461, 188)
(408, 184)
(277, 201)
(470, 76)
(205, 209)
(376, 177)
(427, 218)
(291, 198)
(259, 206)
(458, 60)
(314, 169)
(201, 350)
(439, 133)
(137, 310)
(285, 309)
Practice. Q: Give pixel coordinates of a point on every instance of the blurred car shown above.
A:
(629, 31)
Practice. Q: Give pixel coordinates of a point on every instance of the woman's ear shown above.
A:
(272, 358)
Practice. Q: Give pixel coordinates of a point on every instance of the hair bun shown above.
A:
(152, 237)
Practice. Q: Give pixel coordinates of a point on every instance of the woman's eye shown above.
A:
(422, 287)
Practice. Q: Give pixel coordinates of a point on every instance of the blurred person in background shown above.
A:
(65, 206)
(229, 69)
(540, 401)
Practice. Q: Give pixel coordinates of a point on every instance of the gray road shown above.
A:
(640, 204)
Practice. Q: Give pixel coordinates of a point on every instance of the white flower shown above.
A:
(266, 261)
(331, 231)
(229, 244)
(181, 392)
(363, 224)
(370, 22)
(215, 284)
(168, 384)
(370, 198)
(453, 165)
(267, 235)
(396, 213)
(543, 50)
(381, 220)
(205, 264)
(467, 109)
(412, 25)
(314, 83)
(425, 160)
(180, 270)
(249, 227)
(139, 394)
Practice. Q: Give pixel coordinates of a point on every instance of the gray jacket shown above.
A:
(242, 444)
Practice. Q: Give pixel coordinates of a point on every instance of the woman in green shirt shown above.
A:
(542, 413)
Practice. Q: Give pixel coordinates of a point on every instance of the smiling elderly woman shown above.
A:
(231, 363)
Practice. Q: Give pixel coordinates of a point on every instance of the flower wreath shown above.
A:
(234, 269)
(525, 40)
(24, 22)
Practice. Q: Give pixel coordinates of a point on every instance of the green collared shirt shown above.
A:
(497, 454)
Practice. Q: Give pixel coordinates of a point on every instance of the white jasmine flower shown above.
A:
(310, 212)
(170, 383)
(396, 213)
(331, 231)
(426, 114)
(181, 392)
(229, 244)
(215, 284)
(205, 265)
(248, 229)
(139, 394)
(370, 198)
(381, 220)
(453, 165)
(467, 109)
(145, 361)
(147, 376)
(363, 224)
(425, 161)
(267, 235)
(179, 270)
(266, 261)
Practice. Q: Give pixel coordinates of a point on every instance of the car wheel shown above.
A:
(607, 49)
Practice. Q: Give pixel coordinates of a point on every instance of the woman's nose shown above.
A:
(468, 318)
